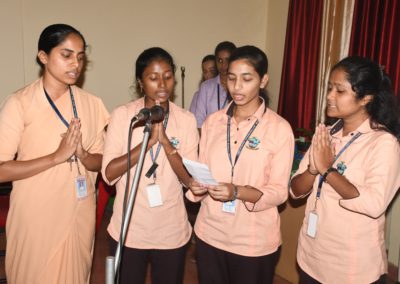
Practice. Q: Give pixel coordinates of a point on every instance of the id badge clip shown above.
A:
(154, 195)
(312, 224)
(229, 206)
(81, 187)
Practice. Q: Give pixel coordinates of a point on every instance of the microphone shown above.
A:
(156, 113)
(143, 114)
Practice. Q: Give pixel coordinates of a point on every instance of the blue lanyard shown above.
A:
(219, 104)
(154, 158)
(57, 110)
(228, 141)
(321, 180)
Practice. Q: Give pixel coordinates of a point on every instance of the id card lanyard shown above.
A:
(57, 111)
(230, 206)
(228, 144)
(218, 97)
(152, 170)
(321, 180)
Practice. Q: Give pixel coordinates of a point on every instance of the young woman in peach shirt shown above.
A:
(249, 150)
(351, 173)
(159, 229)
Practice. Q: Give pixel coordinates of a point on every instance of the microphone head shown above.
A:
(156, 113)
(145, 112)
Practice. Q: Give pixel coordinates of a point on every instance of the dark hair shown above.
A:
(257, 58)
(225, 45)
(148, 56)
(54, 35)
(208, 57)
(368, 78)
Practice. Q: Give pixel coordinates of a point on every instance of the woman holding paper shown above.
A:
(159, 228)
(249, 150)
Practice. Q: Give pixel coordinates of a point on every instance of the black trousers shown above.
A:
(307, 279)
(217, 266)
(167, 266)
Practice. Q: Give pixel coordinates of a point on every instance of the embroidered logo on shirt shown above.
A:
(341, 167)
(253, 143)
(175, 142)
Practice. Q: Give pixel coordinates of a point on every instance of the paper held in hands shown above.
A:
(199, 172)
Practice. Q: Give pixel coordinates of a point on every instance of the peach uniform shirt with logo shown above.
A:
(50, 232)
(349, 246)
(265, 163)
(165, 226)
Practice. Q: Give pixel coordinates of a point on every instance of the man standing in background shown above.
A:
(212, 93)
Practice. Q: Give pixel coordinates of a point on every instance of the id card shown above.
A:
(80, 187)
(154, 195)
(312, 224)
(229, 206)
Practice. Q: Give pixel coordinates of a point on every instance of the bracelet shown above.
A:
(328, 171)
(308, 169)
(235, 192)
(173, 152)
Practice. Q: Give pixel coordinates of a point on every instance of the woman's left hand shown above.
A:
(323, 150)
(162, 136)
(222, 192)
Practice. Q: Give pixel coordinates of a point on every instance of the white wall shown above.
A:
(117, 31)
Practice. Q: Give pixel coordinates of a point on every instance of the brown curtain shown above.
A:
(298, 92)
(376, 34)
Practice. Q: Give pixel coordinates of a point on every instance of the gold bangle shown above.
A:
(173, 152)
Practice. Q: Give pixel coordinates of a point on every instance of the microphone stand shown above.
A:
(183, 85)
(113, 263)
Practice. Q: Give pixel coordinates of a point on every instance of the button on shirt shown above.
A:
(207, 99)
(265, 163)
(349, 245)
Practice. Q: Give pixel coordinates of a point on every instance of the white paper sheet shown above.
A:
(200, 172)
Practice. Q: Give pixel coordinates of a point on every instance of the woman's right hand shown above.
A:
(323, 150)
(196, 188)
(311, 164)
(69, 142)
(154, 134)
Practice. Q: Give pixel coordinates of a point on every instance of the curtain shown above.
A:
(335, 41)
(376, 34)
(297, 98)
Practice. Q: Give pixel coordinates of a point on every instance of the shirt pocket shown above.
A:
(355, 175)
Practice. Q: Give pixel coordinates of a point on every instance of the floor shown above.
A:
(101, 252)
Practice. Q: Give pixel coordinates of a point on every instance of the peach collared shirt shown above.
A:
(349, 246)
(265, 163)
(165, 226)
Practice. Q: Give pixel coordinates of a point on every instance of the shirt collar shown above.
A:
(337, 128)
(258, 114)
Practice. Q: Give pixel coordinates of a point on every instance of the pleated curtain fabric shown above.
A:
(297, 98)
(334, 45)
(376, 35)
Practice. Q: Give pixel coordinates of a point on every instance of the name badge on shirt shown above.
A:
(312, 224)
(229, 206)
(80, 187)
(154, 195)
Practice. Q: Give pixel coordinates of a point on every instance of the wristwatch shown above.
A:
(328, 171)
